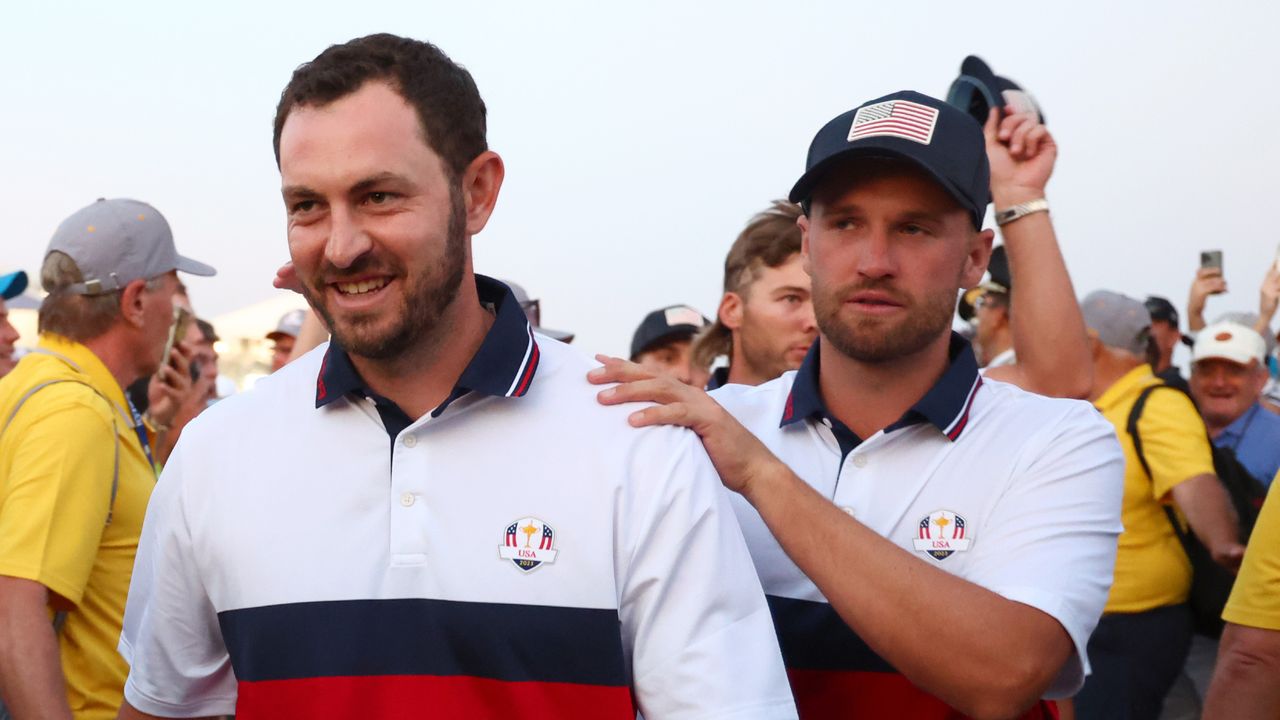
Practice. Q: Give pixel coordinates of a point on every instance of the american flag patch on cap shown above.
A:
(895, 118)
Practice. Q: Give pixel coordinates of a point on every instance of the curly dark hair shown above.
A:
(441, 91)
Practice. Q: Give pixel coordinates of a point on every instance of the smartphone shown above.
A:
(1277, 263)
(177, 331)
(1211, 259)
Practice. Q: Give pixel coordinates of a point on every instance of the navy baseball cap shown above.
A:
(677, 322)
(977, 89)
(12, 285)
(939, 138)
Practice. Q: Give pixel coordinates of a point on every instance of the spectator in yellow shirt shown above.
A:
(1142, 641)
(75, 458)
(1246, 683)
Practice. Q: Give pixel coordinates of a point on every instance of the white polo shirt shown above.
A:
(519, 552)
(1012, 491)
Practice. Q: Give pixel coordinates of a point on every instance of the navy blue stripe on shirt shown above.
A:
(511, 643)
(814, 637)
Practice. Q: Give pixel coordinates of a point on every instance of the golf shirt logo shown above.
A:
(528, 543)
(940, 534)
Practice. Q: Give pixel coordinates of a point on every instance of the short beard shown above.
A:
(761, 358)
(424, 303)
(869, 341)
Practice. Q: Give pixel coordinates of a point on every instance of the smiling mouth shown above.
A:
(360, 287)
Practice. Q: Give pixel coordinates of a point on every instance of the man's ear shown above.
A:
(803, 223)
(1096, 348)
(730, 312)
(131, 303)
(975, 263)
(480, 185)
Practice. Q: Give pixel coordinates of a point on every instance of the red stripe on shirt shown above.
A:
(529, 370)
(396, 697)
(832, 694)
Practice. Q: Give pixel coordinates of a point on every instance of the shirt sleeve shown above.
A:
(58, 493)
(694, 617)
(179, 666)
(1174, 441)
(1255, 597)
(1051, 540)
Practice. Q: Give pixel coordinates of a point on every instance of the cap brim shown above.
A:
(193, 267)
(277, 334)
(978, 70)
(875, 147)
(13, 284)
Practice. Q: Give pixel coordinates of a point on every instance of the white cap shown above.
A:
(1229, 341)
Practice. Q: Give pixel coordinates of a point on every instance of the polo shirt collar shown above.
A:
(946, 405)
(504, 366)
(1129, 384)
(87, 363)
(718, 379)
(1237, 427)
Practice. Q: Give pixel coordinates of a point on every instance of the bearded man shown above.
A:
(460, 530)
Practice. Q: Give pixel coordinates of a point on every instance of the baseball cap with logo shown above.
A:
(677, 322)
(12, 285)
(939, 138)
(1120, 321)
(290, 325)
(1229, 341)
(115, 242)
(978, 89)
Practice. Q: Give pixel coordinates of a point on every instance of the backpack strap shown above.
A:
(115, 430)
(1184, 537)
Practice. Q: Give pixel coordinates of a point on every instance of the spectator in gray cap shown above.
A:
(284, 336)
(1142, 641)
(76, 457)
(11, 286)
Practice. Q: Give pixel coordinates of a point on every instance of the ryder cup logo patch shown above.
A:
(895, 118)
(940, 534)
(528, 542)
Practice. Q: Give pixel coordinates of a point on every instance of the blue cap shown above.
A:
(977, 89)
(939, 138)
(12, 285)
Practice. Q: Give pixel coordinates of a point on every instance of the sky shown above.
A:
(639, 138)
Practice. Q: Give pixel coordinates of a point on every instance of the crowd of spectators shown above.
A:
(123, 366)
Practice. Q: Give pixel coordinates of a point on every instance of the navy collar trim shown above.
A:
(718, 379)
(504, 366)
(946, 405)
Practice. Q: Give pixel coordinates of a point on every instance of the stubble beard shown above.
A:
(761, 355)
(424, 302)
(872, 340)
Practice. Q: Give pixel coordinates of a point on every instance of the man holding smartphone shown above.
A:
(76, 457)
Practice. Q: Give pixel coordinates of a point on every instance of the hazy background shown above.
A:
(639, 138)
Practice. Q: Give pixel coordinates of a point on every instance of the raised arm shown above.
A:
(1049, 335)
(1208, 281)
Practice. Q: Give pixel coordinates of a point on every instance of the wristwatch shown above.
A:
(1021, 210)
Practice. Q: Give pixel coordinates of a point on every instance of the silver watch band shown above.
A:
(1021, 210)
